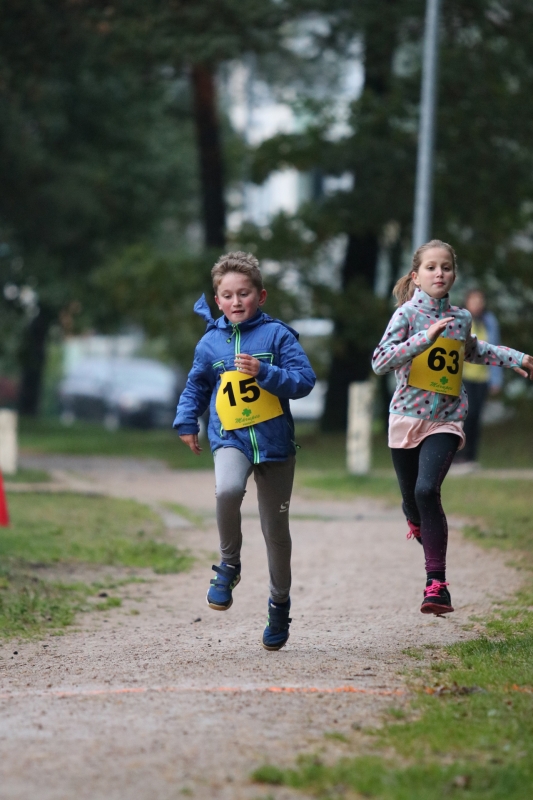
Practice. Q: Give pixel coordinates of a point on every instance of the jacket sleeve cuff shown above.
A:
(263, 371)
(185, 429)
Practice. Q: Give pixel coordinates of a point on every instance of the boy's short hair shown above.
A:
(244, 263)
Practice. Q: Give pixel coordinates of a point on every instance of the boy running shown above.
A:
(247, 366)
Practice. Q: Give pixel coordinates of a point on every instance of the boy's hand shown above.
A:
(247, 364)
(526, 370)
(191, 440)
(435, 330)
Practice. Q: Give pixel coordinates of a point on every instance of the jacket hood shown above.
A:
(201, 308)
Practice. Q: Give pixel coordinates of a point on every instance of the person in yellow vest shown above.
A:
(479, 380)
(247, 366)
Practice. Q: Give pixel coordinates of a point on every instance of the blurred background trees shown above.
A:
(137, 141)
(90, 157)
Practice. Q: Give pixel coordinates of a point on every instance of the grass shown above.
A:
(367, 777)
(53, 531)
(48, 529)
(28, 476)
(502, 445)
(87, 439)
(468, 731)
(186, 513)
(109, 602)
(499, 510)
(29, 606)
(338, 483)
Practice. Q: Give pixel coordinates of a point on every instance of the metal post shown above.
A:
(8, 441)
(359, 438)
(426, 133)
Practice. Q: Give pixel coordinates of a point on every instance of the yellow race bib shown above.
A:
(241, 402)
(439, 368)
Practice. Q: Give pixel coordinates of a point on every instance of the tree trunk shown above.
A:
(210, 154)
(360, 262)
(349, 363)
(32, 355)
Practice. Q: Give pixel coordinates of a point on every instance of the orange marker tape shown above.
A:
(205, 689)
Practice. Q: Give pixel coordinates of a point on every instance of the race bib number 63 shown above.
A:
(241, 402)
(439, 368)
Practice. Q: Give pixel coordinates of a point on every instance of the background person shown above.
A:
(479, 380)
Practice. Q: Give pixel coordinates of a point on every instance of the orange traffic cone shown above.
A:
(4, 514)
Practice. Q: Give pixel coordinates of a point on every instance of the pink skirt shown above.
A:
(406, 432)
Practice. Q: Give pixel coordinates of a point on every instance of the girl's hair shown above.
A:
(244, 263)
(405, 287)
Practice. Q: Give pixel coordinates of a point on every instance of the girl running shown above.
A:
(426, 342)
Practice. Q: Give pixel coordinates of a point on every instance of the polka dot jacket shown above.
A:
(406, 337)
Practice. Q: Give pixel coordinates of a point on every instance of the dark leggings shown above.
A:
(420, 472)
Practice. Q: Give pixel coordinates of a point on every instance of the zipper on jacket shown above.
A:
(253, 438)
(435, 404)
(251, 431)
(255, 446)
(235, 332)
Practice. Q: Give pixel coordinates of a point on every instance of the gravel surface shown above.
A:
(163, 697)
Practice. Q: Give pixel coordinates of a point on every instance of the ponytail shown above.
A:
(404, 289)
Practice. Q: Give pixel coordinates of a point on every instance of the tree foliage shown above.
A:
(102, 189)
(88, 152)
(483, 175)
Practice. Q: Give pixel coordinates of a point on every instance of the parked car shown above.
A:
(137, 392)
(315, 338)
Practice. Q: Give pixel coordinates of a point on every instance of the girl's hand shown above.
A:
(191, 440)
(247, 364)
(435, 330)
(526, 370)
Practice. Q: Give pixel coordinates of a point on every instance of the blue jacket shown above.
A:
(285, 372)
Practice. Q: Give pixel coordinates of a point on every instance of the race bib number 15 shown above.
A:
(241, 402)
(439, 368)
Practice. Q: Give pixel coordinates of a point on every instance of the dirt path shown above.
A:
(180, 699)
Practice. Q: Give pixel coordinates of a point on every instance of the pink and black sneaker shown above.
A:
(414, 532)
(437, 599)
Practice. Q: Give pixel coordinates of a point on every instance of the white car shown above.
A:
(311, 407)
(138, 392)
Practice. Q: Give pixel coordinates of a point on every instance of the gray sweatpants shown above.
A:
(274, 487)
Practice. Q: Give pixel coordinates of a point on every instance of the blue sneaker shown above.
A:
(226, 579)
(276, 632)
